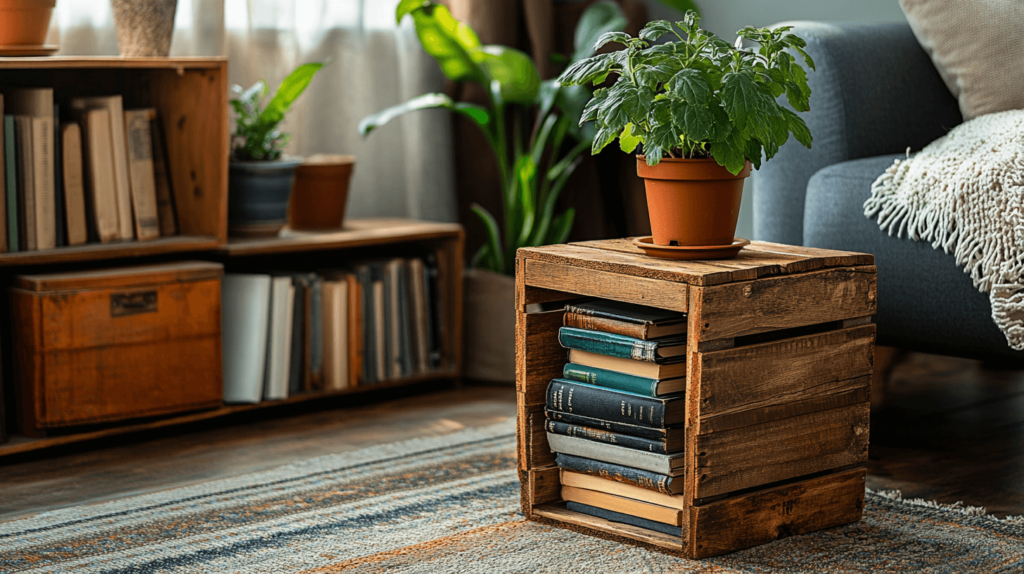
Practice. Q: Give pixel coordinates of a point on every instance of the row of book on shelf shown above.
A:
(615, 418)
(100, 174)
(288, 333)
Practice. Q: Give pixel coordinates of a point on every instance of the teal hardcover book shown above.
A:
(11, 185)
(623, 382)
(614, 345)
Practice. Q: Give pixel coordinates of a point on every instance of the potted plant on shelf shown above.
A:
(260, 178)
(702, 110)
(535, 159)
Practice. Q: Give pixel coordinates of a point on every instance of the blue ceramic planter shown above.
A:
(258, 194)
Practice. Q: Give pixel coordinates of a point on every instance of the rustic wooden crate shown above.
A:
(780, 356)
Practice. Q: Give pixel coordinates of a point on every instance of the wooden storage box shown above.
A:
(779, 372)
(108, 345)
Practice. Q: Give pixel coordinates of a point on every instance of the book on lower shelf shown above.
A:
(328, 331)
(615, 419)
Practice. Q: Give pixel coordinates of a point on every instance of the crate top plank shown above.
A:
(356, 233)
(59, 62)
(759, 259)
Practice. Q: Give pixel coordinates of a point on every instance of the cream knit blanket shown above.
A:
(963, 193)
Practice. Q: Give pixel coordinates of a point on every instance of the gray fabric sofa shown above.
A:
(875, 93)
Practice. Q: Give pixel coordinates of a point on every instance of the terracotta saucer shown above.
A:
(29, 50)
(687, 252)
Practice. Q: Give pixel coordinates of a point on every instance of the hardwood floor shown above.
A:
(948, 430)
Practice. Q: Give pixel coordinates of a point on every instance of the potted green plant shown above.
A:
(535, 158)
(703, 111)
(260, 178)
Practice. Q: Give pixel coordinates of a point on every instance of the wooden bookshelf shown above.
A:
(355, 233)
(107, 251)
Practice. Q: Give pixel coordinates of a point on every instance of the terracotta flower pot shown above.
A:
(692, 201)
(144, 27)
(320, 193)
(25, 22)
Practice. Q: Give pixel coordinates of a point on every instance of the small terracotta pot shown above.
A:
(692, 201)
(320, 193)
(25, 22)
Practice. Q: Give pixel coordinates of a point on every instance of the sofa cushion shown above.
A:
(925, 302)
(976, 46)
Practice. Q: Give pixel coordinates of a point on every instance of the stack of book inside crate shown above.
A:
(615, 418)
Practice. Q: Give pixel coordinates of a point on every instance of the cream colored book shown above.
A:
(43, 188)
(336, 353)
(591, 482)
(420, 314)
(628, 366)
(74, 183)
(140, 173)
(624, 505)
(119, 151)
(98, 149)
(279, 338)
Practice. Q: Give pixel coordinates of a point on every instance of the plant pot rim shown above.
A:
(679, 169)
(284, 159)
(329, 159)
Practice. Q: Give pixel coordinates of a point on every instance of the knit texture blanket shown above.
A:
(963, 193)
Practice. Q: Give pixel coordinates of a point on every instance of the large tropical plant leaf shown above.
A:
(478, 114)
(449, 41)
(513, 70)
(289, 90)
(599, 18)
(493, 237)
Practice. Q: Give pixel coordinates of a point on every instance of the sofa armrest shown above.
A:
(875, 92)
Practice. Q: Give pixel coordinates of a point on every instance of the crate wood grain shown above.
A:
(780, 357)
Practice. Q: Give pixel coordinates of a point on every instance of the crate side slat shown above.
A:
(754, 455)
(607, 285)
(539, 356)
(557, 515)
(783, 302)
(762, 517)
(785, 371)
(840, 394)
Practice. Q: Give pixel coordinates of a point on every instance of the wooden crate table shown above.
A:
(780, 352)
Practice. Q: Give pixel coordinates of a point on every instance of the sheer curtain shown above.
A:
(402, 170)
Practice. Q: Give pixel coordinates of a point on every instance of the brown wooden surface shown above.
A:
(783, 302)
(607, 285)
(356, 233)
(77, 62)
(761, 517)
(755, 455)
(782, 372)
(544, 485)
(539, 356)
(78, 362)
(561, 516)
(132, 276)
(106, 251)
(20, 444)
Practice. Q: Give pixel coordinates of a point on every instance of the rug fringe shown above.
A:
(957, 507)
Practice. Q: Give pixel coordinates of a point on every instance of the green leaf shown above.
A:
(407, 6)
(604, 137)
(627, 141)
(493, 237)
(559, 232)
(525, 174)
(513, 70)
(587, 70)
(655, 29)
(730, 154)
(594, 106)
(664, 136)
(722, 127)
(753, 153)
(289, 91)
(625, 103)
(690, 85)
(797, 91)
(614, 36)
(696, 122)
(807, 57)
(599, 18)
(682, 5)
(741, 98)
(478, 114)
(798, 127)
(450, 42)
(653, 74)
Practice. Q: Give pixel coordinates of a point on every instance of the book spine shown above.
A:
(595, 402)
(591, 323)
(620, 428)
(611, 379)
(11, 183)
(608, 344)
(629, 519)
(165, 205)
(598, 435)
(624, 474)
(58, 179)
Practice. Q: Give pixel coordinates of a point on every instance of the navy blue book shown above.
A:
(624, 518)
(598, 435)
(615, 345)
(615, 406)
(617, 472)
(620, 428)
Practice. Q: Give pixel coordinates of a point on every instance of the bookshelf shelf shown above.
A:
(356, 233)
(103, 251)
(20, 444)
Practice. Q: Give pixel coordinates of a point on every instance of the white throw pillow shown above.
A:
(978, 48)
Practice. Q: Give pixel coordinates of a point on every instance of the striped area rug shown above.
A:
(449, 504)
